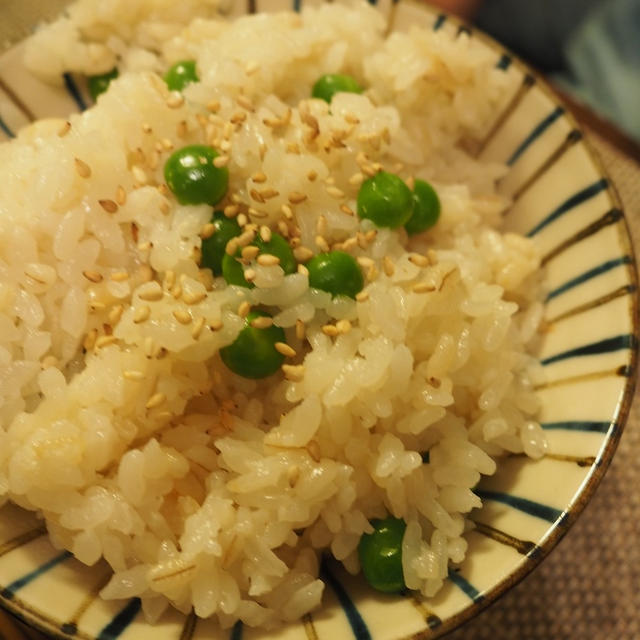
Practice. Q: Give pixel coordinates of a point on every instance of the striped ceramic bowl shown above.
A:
(565, 202)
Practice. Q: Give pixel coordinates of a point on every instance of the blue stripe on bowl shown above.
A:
(73, 91)
(577, 199)
(504, 62)
(537, 131)
(531, 507)
(588, 275)
(573, 425)
(358, 625)
(440, 20)
(4, 127)
(10, 590)
(121, 621)
(465, 586)
(236, 631)
(608, 345)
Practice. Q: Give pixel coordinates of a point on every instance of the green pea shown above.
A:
(385, 200)
(100, 83)
(192, 176)
(213, 247)
(181, 74)
(380, 555)
(335, 272)
(331, 83)
(253, 353)
(233, 272)
(426, 208)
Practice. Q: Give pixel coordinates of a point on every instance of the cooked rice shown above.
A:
(121, 425)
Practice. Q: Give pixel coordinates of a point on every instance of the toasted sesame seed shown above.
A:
(166, 144)
(295, 197)
(115, 314)
(144, 246)
(410, 182)
(225, 146)
(351, 118)
(207, 230)
(293, 147)
(132, 374)
(64, 129)
(144, 273)
(105, 341)
(371, 235)
(242, 219)
(300, 329)
(269, 193)
(183, 317)
(268, 260)
(372, 273)
(169, 278)
(119, 276)
(423, 287)
(121, 195)
(245, 103)
(92, 276)
(334, 192)
(175, 100)
(149, 346)
(256, 195)
(243, 309)
(321, 243)
(312, 175)
(285, 349)
(262, 322)
(238, 117)
(141, 314)
(221, 161)
(216, 325)
(321, 225)
(362, 159)
(356, 179)
(163, 189)
(343, 326)
(329, 181)
(259, 177)
(139, 174)
(182, 129)
(250, 252)
(254, 213)
(330, 330)
(303, 270)
(193, 298)
(347, 209)
(245, 238)
(419, 260)
(287, 211)
(250, 275)
(155, 400)
(365, 262)
(369, 170)
(314, 450)
(82, 168)
(350, 243)
(362, 296)
(302, 254)
(433, 256)
(293, 372)
(265, 233)
(294, 241)
(146, 127)
(283, 228)
(90, 340)
(152, 294)
(251, 67)
(231, 210)
(51, 361)
(96, 305)
(231, 247)
(213, 105)
(176, 291)
(388, 266)
(197, 328)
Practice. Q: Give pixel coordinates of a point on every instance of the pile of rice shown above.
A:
(121, 425)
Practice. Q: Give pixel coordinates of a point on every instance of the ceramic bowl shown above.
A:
(565, 202)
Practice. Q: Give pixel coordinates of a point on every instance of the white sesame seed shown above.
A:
(155, 400)
(139, 174)
(243, 309)
(151, 294)
(220, 161)
(303, 270)
(419, 260)
(52, 361)
(300, 329)
(66, 127)
(356, 179)
(90, 340)
(121, 195)
(321, 243)
(295, 197)
(346, 209)
(92, 276)
(259, 177)
(175, 100)
(362, 296)
(131, 374)
(293, 372)
(216, 325)
(302, 254)
(115, 314)
(265, 233)
(119, 276)
(250, 275)
(146, 127)
(285, 349)
(268, 260)
(365, 262)
(343, 326)
(388, 266)
(193, 298)
(423, 287)
(334, 192)
(213, 106)
(330, 330)
(141, 314)
(82, 168)
(262, 322)
(231, 210)
(105, 341)
(183, 317)
(197, 328)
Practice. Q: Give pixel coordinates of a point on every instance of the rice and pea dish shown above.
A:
(256, 306)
